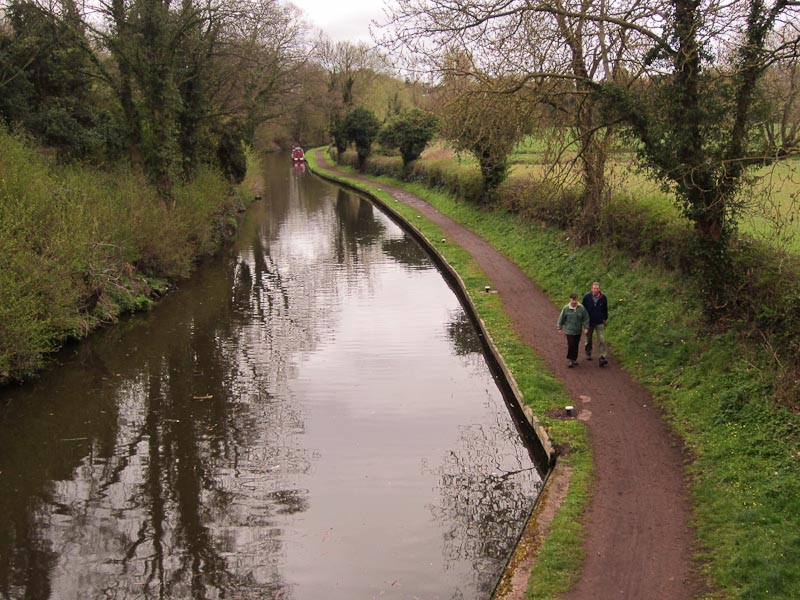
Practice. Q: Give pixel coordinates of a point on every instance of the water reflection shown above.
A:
(310, 417)
(482, 497)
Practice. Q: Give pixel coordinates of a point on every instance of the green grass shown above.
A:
(772, 210)
(714, 388)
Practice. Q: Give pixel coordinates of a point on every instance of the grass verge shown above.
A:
(716, 389)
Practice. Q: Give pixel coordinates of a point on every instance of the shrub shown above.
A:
(386, 166)
(540, 201)
(642, 230)
(231, 156)
(361, 127)
(464, 183)
(410, 132)
(76, 242)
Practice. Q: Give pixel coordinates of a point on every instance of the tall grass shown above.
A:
(80, 246)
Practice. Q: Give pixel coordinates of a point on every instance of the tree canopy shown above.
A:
(410, 131)
(163, 84)
(360, 128)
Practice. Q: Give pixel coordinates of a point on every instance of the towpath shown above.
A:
(639, 542)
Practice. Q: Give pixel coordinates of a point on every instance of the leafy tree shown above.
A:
(361, 127)
(232, 159)
(484, 120)
(339, 135)
(174, 78)
(696, 128)
(410, 131)
(47, 80)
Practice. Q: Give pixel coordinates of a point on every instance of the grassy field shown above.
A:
(770, 205)
(715, 388)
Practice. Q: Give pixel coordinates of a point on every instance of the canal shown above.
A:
(310, 416)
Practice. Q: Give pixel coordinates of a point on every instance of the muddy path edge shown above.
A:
(638, 540)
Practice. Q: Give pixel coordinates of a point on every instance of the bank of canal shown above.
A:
(311, 416)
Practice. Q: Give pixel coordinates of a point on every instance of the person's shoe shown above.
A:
(603, 361)
(570, 364)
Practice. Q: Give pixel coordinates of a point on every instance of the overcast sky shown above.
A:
(343, 19)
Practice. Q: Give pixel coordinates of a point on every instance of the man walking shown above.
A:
(571, 321)
(596, 304)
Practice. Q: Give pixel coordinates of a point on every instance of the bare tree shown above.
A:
(554, 52)
(260, 47)
(681, 76)
(781, 88)
(348, 65)
(480, 116)
(351, 67)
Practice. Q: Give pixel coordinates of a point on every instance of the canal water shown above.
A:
(310, 416)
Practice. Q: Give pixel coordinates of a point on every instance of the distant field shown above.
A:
(772, 205)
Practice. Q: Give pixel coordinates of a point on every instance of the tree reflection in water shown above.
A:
(461, 332)
(487, 485)
(484, 498)
(183, 507)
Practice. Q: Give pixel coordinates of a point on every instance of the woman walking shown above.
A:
(571, 321)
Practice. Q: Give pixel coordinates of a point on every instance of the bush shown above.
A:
(361, 127)
(644, 231)
(410, 132)
(768, 296)
(386, 166)
(540, 201)
(462, 182)
(231, 156)
(76, 243)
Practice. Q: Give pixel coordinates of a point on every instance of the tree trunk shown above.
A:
(592, 150)
(593, 156)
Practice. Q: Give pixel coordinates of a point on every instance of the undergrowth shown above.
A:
(80, 246)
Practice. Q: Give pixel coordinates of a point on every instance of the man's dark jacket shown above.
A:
(598, 311)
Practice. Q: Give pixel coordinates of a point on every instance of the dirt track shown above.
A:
(639, 542)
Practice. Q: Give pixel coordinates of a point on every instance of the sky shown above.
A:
(343, 20)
